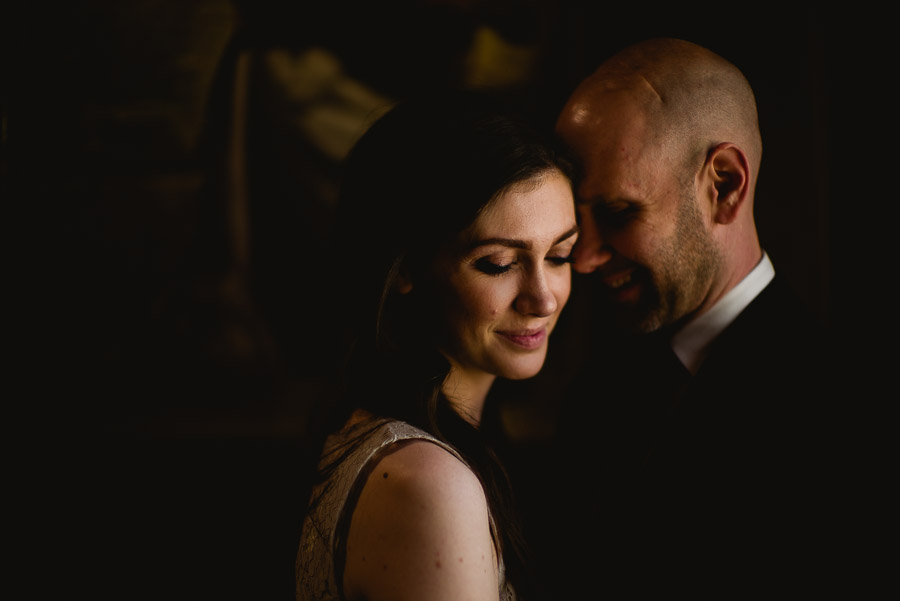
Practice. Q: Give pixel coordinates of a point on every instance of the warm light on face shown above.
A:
(510, 280)
(643, 240)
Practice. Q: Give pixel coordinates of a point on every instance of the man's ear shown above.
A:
(729, 171)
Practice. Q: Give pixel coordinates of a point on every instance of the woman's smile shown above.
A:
(510, 280)
(527, 339)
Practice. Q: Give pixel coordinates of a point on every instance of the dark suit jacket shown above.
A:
(716, 484)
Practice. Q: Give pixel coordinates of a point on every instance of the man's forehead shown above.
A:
(625, 80)
(619, 90)
(596, 120)
(609, 125)
(623, 169)
(611, 143)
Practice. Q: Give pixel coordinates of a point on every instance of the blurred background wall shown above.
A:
(177, 163)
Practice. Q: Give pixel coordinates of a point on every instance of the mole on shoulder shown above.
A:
(385, 475)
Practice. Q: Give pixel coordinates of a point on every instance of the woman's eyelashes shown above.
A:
(492, 266)
(562, 260)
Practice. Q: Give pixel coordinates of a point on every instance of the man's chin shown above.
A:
(632, 319)
(635, 322)
(632, 308)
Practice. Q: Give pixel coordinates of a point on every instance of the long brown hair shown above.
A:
(418, 177)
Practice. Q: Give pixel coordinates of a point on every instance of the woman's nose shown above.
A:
(537, 296)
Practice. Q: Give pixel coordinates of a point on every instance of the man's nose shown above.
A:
(591, 250)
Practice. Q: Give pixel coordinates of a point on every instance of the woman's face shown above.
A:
(507, 280)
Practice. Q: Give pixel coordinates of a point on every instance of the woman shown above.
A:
(457, 226)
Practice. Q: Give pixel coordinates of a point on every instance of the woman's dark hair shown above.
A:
(416, 179)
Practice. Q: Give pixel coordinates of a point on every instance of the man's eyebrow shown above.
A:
(515, 243)
(596, 199)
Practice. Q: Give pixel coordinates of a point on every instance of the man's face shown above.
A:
(643, 233)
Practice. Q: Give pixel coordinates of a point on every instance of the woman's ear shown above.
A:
(729, 171)
(399, 274)
(402, 284)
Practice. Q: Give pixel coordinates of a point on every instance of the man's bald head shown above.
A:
(691, 98)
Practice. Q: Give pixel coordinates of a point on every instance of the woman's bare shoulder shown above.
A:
(422, 467)
(420, 529)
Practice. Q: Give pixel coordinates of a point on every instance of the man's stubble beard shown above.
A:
(688, 262)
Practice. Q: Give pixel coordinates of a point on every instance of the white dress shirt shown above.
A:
(691, 343)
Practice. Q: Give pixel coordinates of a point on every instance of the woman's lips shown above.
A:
(526, 339)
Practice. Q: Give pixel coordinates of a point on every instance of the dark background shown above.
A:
(169, 171)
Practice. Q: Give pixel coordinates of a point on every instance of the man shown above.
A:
(670, 148)
(693, 442)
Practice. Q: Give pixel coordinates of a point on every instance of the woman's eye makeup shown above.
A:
(561, 260)
(491, 267)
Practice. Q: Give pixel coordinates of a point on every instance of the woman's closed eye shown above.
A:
(559, 261)
(493, 266)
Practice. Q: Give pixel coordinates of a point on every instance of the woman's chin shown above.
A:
(522, 370)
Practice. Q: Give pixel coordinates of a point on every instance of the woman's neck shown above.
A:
(467, 391)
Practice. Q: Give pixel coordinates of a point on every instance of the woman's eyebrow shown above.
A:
(571, 232)
(511, 242)
(516, 243)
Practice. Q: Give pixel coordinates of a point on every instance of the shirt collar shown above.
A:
(691, 343)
